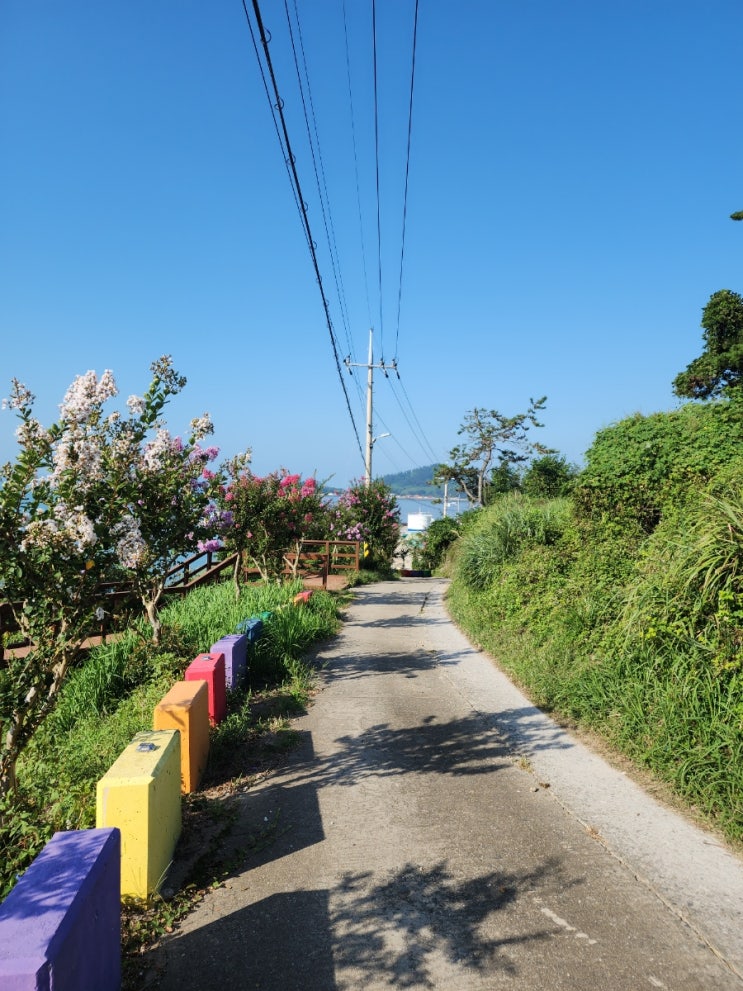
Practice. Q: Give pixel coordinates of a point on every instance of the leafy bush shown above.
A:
(639, 468)
(429, 550)
(689, 588)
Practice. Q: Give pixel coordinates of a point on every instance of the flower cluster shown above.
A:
(67, 531)
(271, 516)
(370, 514)
(201, 427)
(86, 395)
(131, 549)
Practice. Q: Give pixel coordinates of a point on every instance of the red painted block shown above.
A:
(302, 598)
(210, 668)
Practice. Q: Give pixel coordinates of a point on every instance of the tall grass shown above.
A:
(207, 613)
(503, 530)
(640, 639)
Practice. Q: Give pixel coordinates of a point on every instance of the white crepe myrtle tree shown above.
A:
(93, 495)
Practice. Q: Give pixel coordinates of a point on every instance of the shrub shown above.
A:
(371, 515)
(430, 548)
(639, 468)
(503, 530)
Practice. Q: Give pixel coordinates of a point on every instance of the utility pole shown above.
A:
(370, 366)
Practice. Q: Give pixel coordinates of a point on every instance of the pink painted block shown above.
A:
(210, 668)
(302, 598)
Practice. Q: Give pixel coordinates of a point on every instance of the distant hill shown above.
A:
(417, 481)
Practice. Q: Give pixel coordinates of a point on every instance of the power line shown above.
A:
(302, 205)
(317, 160)
(407, 173)
(272, 110)
(376, 161)
(416, 430)
(356, 169)
(280, 125)
(393, 437)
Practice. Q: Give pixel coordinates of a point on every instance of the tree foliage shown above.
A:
(504, 478)
(549, 477)
(718, 371)
(493, 443)
(638, 467)
(87, 499)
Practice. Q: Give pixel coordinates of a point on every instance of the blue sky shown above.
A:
(573, 167)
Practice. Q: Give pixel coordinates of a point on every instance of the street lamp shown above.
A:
(369, 447)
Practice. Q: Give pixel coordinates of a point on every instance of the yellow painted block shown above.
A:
(186, 708)
(141, 794)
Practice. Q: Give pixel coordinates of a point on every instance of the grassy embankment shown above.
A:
(113, 694)
(620, 609)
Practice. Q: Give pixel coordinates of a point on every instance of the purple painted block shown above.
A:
(234, 646)
(60, 927)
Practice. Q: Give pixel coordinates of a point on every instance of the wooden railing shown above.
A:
(318, 558)
(321, 558)
(117, 599)
(198, 569)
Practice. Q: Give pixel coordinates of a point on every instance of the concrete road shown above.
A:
(435, 831)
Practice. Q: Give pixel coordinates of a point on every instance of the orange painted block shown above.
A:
(210, 668)
(186, 708)
(302, 598)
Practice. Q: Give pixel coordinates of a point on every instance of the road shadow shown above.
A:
(455, 747)
(282, 815)
(528, 729)
(352, 666)
(406, 622)
(398, 929)
(280, 943)
(256, 823)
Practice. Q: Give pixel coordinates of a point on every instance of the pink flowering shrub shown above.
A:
(271, 517)
(372, 516)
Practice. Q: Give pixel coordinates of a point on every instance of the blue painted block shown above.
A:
(252, 628)
(234, 646)
(60, 927)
